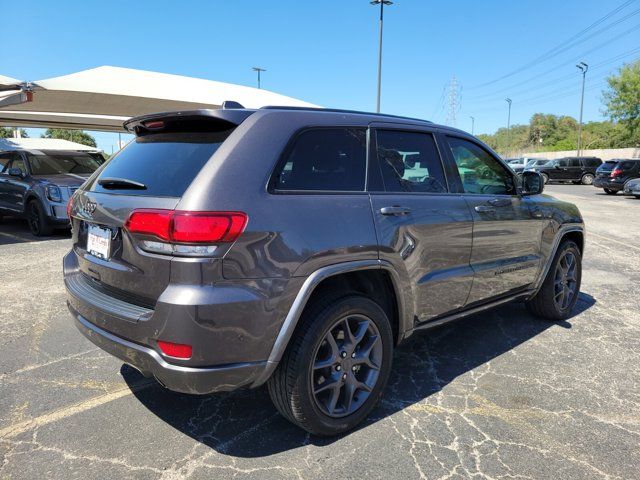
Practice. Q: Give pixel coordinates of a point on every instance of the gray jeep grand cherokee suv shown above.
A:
(297, 247)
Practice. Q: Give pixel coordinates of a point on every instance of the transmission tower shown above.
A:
(453, 98)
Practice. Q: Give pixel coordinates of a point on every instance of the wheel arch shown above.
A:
(29, 197)
(363, 276)
(573, 232)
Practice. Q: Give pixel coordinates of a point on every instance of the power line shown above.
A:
(633, 29)
(498, 94)
(567, 44)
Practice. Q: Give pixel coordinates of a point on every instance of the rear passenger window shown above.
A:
(409, 162)
(325, 159)
(574, 162)
(627, 165)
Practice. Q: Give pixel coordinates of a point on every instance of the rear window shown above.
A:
(607, 166)
(324, 159)
(165, 163)
(56, 164)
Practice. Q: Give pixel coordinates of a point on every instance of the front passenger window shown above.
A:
(479, 171)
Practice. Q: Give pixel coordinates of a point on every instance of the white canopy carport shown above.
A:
(104, 97)
(9, 144)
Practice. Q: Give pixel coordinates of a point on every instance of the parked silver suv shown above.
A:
(297, 247)
(36, 184)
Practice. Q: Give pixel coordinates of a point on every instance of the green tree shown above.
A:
(77, 136)
(622, 99)
(7, 132)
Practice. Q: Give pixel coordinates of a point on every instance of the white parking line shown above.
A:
(609, 239)
(65, 412)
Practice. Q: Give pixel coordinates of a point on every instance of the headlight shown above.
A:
(53, 193)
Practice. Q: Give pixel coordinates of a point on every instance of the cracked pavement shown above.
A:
(497, 395)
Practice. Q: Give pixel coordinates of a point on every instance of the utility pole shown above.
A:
(473, 121)
(583, 68)
(258, 69)
(454, 101)
(382, 3)
(508, 100)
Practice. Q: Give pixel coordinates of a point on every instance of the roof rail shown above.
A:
(339, 110)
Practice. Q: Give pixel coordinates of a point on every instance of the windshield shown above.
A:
(54, 164)
(536, 163)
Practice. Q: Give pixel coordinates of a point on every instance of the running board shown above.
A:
(522, 295)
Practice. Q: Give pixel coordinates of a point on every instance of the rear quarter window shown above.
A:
(592, 162)
(166, 163)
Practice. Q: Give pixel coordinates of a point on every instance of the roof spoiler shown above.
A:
(230, 104)
(157, 122)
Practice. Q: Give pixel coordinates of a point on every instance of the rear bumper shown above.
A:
(174, 377)
(608, 184)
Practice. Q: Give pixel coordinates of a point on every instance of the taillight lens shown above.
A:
(186, 228)
(150, 222)
(69, 207)
(177, 350)
(616, 172)
(207, 227)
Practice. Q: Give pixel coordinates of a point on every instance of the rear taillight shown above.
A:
(177, 350)
(185, 233)
(69, 207)
(616, 172)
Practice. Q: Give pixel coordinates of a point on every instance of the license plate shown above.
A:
(99, 241)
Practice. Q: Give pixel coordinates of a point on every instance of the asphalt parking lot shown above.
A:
(495, 395)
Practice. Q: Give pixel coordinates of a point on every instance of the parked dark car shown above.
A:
(612, 180)
(570, 169)
(632, 188)
(37, 184)
(297, 247)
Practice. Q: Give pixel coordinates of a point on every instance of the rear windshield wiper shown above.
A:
(124, 183)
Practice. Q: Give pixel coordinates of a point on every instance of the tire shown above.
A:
(545, 304)
(587, 179)
(37, 220)
(545, 178)
(291, 387)
(610, 192)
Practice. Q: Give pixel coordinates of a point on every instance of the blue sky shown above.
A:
(325, 52)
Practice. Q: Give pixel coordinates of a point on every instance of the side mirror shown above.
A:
(532, 183)
(16, 172)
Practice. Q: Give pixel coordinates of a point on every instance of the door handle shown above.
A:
(395, 210)
(484, 209)
(499, 202)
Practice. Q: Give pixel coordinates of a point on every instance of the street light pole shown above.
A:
(583, 68)
(258, 69)
(473, 121)
(508, 100)
(382, 3)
